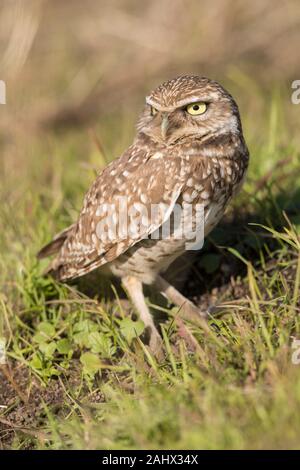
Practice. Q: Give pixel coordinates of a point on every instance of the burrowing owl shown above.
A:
(189, 150)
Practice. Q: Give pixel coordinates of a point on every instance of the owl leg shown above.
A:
(134, 289)
(188, 310)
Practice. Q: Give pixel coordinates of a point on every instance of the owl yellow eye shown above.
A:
(196, 108)
(153, 111)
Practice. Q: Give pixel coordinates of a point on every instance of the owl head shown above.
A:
(188, 107)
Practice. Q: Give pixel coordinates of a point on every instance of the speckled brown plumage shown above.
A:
(176, 158)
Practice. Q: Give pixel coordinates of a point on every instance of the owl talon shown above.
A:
(214, 310)
(156, 345)
(191, 311)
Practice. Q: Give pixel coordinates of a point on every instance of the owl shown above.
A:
(189, 157)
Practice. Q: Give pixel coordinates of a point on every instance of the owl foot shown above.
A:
(134, 289)
(188, 310)
(216, 310)
(156, 345)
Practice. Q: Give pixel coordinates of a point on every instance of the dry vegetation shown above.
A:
(76, 375)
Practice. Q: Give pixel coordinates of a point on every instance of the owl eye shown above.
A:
(196, 108)
(153, 111)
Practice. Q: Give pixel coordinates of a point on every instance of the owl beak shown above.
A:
(164, 126)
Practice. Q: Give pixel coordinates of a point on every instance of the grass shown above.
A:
(78, 374)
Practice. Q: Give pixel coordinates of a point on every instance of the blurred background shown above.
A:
(80, 63)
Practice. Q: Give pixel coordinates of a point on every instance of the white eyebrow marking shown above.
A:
(156, 105)
(181, 103)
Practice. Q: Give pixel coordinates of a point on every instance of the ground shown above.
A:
(77, 372)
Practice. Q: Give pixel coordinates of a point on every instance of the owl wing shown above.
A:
(129, 200)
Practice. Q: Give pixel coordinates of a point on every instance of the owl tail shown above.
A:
(55, 245)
